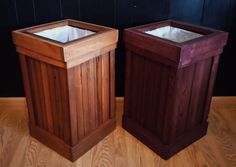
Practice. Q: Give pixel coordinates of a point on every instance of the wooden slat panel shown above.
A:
(53, 80)
(211, 81)
(37, 94)
(152, 92)
(162, 100)
(28, 89)
(65, 120)
(135, 102)
(72, 83)
(198, 94)
(146, 92)
(105, 87)
(185, 79)
(50, 99)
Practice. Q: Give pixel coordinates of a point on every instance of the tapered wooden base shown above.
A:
(73, 152)
(153, 142)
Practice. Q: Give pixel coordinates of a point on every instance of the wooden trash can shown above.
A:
(170, 71)
(68, 72)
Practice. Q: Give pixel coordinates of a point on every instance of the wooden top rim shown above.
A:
(98, 29)
(205, 31)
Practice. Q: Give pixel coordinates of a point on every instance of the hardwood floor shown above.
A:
(119, 149)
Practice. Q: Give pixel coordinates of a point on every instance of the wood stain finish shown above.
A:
(169, 86)
(69, 87)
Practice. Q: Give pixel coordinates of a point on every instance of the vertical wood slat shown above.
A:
(45, 90)
(52, 90)
(112, 84)
(92, 92)
(198, 93)
(105, 87)
(58, 104)
(99, 87)
(79, 104)
(128, 80)
(85, 104)
(72, 104)
(211, 81)
(27, 88)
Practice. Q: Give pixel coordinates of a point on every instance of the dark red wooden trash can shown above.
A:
(170, 72)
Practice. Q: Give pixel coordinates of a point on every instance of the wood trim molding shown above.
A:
(17, 103)
(12, 103)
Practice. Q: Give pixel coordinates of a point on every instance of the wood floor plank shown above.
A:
(119, 149)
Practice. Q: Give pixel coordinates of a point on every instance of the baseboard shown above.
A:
(8, 103)
(12, 103)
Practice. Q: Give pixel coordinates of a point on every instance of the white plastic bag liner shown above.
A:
(64, 33)
(174, 34)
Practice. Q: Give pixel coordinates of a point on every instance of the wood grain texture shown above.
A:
(69, 86)
(217, 148)
(169, 85)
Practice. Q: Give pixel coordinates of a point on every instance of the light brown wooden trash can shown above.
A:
(68, 72)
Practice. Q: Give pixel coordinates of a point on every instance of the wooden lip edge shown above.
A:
(70, 63)
(178, 24)
(93, 37)
(43, 58)
(30, 30)
(61, 45)
(59, 22)
(207, 32)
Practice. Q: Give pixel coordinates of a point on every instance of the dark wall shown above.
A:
(120, 14)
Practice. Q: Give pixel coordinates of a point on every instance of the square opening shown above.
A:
(174, 34)
(64, 33)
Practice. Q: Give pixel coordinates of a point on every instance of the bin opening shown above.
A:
(64, 33)
(174, 34)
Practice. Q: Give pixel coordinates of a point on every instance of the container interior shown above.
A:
(174, 34)
(64, 33)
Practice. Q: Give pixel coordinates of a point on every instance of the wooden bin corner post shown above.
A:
(68, 73)
(169, 83)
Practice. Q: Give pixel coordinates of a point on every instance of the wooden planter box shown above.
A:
(169, 84)
(69, 83)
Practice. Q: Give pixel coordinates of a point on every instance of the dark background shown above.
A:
(14, 14)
